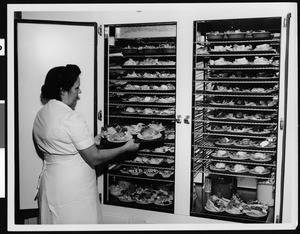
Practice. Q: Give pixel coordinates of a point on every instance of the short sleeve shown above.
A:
(78, 131)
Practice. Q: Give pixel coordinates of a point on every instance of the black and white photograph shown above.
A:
(149, 116)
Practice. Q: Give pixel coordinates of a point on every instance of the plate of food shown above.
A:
(259, 170)
(166, 173)
(218, 166)
(235, 206)
(135, 171)
(265, 144)
(238, 168)
(224, 141)
(148, 134)
(215, 204)
(126, 198)
(240, 155)
(256, 209)
(119, 137)
(134, 129)
(125, 170)
(143, 200)
(260, 157)
(244, 143)
(163, 200)
(150, 172)
(220, 154)
(156, 161)
(217, 128)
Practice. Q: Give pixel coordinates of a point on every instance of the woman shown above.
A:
(67, 189)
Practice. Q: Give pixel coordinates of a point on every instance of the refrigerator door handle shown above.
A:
(178, 119)
(186, 119)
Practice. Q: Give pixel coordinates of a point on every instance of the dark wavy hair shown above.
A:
(57, 79)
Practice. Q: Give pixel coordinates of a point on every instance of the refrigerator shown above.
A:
(140, 96)
(239, 81)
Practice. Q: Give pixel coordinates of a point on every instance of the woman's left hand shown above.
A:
(97, 139)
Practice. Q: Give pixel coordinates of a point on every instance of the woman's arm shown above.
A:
(93, 156)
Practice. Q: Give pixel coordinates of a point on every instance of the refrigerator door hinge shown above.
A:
(277, 219)
(284, 23)
(281, 124)
(99, 115)
(100, 30)
(100, 197)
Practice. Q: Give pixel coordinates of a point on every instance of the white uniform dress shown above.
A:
(67, 188)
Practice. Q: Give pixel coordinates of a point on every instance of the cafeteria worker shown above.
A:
(67, 189)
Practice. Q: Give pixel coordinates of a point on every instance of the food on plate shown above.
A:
(148, 99)
(169, 111)
(134, 74)
(148, 132)
(162, 149)
(245, 141)
(239, 115)
(259, 170)
(169, 160)
(216, 204)
(134, 99)
(157, 126)
(148, 111)
(135, 171)
(256, 209)
(235, 205)
(263, 47)
(266, 144)
(170, 136)
(124, 184)
(239, 168)
(259, 156)
(131, 62)
(141, 160)
(156, 161)
(107, 130)
(221, 166)
(241, 155)
(134, 128)
(261, 60)
(150, 172)
(130, 110)
(222, 153)
(166, 173)
(125, 170)
(225, 140)
(116, 190)
(166, 99)
(241, 61)
(120, 136)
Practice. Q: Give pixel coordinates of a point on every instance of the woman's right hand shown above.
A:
(131, 146)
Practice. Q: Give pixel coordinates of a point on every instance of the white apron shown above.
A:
(67, 191)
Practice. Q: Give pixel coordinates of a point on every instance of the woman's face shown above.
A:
(72, 96)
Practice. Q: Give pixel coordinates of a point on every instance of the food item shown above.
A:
(239, 115)
(130, 110)
(239, 168)
(245, 141)
(166, 173)
(148, 132)
(216, 204)
(235, 205)
(241, 61)
(158, 127)
(259, 169)
(241, 154)
(221, 153)
(151, 172)
(225, 140)
(220, 165)
(115, 190)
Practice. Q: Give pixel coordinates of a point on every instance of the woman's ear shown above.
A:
(63, 92)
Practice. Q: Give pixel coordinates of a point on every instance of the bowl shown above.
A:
(168, 50)
(238, 35)
(129, 51)
(261, 35)
(150, 51)
(215, 36)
